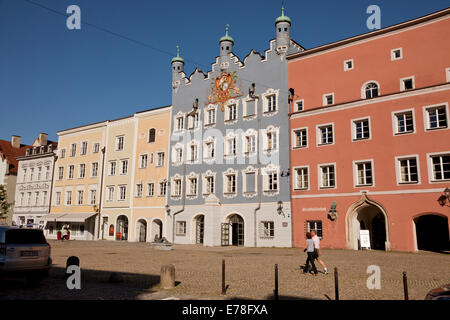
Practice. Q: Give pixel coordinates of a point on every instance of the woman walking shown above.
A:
(311, 255)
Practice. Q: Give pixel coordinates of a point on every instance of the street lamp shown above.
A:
(445, 198)
(168, 209)
(280, 207)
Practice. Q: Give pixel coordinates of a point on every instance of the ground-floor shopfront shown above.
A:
(30, 219)
(216, 224)
(395, 221)
(81, 225)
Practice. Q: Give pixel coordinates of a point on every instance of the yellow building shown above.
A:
(77, 182)
(150, 174)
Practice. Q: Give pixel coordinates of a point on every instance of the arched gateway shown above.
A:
(367, 214)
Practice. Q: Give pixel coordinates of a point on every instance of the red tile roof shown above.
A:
(8, 152)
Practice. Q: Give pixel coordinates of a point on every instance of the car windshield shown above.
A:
(24, 236)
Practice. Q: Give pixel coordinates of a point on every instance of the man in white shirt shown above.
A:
(316, 240)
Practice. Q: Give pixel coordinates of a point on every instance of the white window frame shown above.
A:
(395, 121)
(81, 171)
(294, 138)
(94, 171)
(346, 68)
(267, 229)
(122, 171)
(161, 189)
(206, 119)
(70, 174)
(110, 166)
(431, 167)
(427, 119)
(295, 185)
(319, 175)
(84, 148)
(181, 228)
(447, 74)
(353, 129)
(363, 89)
(319, 134)
(143, 164)
(355, 173)
(398, 170)
(402, 83)
(393, 57)
(296, 102)
(120, 145)
(122, 191)
(158, 163)
(139, 190)
(245, 114)
(110, 193)
(265, 101)
(325, 100)
(177, 123)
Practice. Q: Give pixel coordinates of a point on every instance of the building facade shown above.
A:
(77, 182)
(370, 138)
(228, 176)
(34, 183)
(9, 151)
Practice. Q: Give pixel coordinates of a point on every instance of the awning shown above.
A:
(69, 217)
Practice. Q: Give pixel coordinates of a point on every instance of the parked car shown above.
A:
(24, 252)
(441, 293)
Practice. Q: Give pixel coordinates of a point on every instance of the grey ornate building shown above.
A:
(34, 183)
(229, 153)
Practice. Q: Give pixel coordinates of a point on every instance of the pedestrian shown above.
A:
(316, 240)
(310, 252)
(64, 237)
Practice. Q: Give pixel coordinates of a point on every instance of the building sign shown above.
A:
(364, 239)
(224, 88)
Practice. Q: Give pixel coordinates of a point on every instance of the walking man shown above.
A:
(316, 240)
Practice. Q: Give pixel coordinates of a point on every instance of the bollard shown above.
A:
(71, 261)
(336, 283)
(275, 292)
(224, 289)
(405, 285)
(167, 277)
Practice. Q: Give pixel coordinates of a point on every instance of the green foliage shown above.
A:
(4, 205)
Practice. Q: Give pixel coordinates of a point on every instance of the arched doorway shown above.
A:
(199, 229)
(237, 230)
(432, 232)
(141, 230)
(157, 229)
(122, 228)
(368, 215)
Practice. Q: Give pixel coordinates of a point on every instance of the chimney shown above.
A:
(15, 141)
(43, 139)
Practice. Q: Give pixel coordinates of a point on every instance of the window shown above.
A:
(58, 198)
(230, 147)
(44, 198)
(29, 198)
(325, 134)
(396, 54)
(407, 84)
(272, 181)
(71, 170)
(110, 194)
(123, 166)
(82, 172)
(408, 170)
(112, 168)
(63, 153)
(122, 192)
(160, 159)
(271, 103)
(180, 123)
(210, 150)
(193, 121)
(69, 197)
(211, 117)
(93, 196)
(437, 117)
(36, 198)
(194, 153)
(96, 147)
(139, 190)
(348, 65)
(250, 182)
(31, 174)
(22, 197)
(84, 146)
(73, 149)
(327, 176)
(249, 108)
(143, 161)
(193, 186)
(152, 135)
(371, 90)
(209, 185)
(162, 189)
(299, 105)
(316, 226)
(150, 189)
(300, 138)
(231, 183)
(80, 196)
(250, 144)
(25, 175)
(119, 143)
(232, 112)
(47, 172)
(179, 154)
(177, 187)
(447, 74)
(181, 228)
(267, 229)
(60, 173)
(440, 167)
(328, 99)
(39, 173)
(272, 142)
(364, 175)
(94, 171)
(301, 178)
(361, 129)
(404, 122)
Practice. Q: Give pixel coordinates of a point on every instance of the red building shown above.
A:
(370, 145)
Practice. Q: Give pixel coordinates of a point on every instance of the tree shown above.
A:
(4, 205)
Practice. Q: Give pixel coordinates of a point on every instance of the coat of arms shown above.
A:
(224, 88)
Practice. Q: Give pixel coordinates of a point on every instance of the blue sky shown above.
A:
(52, 78)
